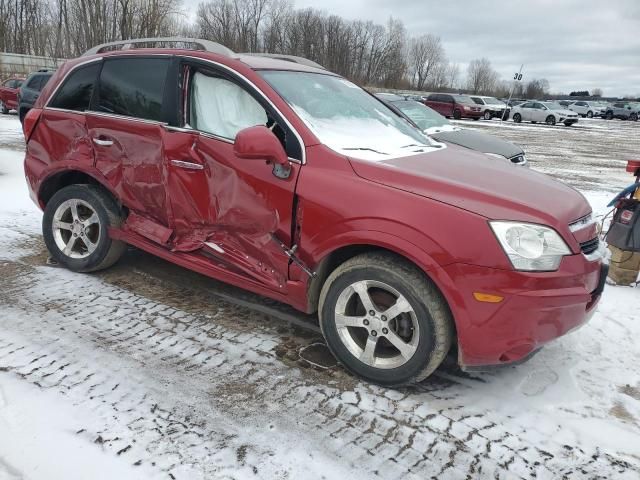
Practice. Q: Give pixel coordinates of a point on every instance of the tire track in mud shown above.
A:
(192, 389)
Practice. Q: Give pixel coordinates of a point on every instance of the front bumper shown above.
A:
(537, 308)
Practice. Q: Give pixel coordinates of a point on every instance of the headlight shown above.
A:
(530, 247)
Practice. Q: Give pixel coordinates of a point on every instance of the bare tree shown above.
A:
(596, 92)
(426, 56)
(481, 77)
(537, 88)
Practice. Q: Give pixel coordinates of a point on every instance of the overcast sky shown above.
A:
(575, 44)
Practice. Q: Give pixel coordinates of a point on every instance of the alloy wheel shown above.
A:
(377, 324)
(76, 228)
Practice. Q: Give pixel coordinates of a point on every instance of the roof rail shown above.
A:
(287, 58)
(199, 44)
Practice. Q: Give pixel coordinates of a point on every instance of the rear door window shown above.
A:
(34, 82)
(133, 87)
(75, 93)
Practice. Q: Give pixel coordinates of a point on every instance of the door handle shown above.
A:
(187, 165)
(102, 142)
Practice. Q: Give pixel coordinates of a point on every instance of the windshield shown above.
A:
(346, 118)
(492, 100)
(553, 106)
(421, 115)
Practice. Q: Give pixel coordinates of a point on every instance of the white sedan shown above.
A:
(547, 112)
(586, 109)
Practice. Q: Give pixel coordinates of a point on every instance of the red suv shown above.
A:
(456, 106)
(290, 181)
(9, 94)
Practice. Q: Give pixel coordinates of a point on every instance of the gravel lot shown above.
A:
(150, 371)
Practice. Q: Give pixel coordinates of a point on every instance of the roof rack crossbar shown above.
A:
(287, 58)
(200, 44)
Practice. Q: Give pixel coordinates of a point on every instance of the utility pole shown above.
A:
(516, 78)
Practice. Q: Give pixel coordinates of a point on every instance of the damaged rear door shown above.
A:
(235, 211)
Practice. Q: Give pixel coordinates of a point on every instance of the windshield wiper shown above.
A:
(364, 148)
(416, 145)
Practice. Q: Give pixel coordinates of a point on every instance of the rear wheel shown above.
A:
(609, 116)
(551, 120)
(457, 114)
(3, 108)
(487, 115)
(75, 228)
(517, 117)
(589, 114)
(384, 320)
(633, 117)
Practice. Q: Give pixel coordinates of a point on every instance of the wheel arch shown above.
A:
(59, 179)
(434, 272)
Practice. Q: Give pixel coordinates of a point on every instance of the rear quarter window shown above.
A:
(75, 93)
(133, 87)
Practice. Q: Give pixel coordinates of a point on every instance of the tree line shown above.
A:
(366, 52)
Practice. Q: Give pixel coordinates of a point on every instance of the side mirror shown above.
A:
(259, 143)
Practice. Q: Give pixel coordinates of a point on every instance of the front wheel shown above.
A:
(3, 108)
(517, 118)
(75, 228)
(589, 114)
(551, 120)
(384, 320)
(457, 115)
(633, 117)
(609, 116)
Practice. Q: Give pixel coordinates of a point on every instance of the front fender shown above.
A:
(400, 245)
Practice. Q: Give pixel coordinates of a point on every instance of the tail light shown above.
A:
(30, 122)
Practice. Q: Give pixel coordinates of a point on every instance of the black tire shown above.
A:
(550, 120)
(432, 314)
(609, 116)
(22, 113)
(589, 114)
(517, 118)
(487, 115)
(457, 114)
(107, 251)
(633, 117)
(3, 108)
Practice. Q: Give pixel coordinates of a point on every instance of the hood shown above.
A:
(481, 184)
(479, 141)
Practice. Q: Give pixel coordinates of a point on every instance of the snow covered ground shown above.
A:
(148, 371)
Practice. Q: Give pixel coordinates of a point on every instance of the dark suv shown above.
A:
(456, 106)
(294, 183)
(30, 90)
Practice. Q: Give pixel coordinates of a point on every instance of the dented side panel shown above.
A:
(64, 141)
(234, 204)
(131, 158)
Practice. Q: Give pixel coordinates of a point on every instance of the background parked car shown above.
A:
(439, 128)
(586, 109)
(515, 101)
(492, 107)
(547, 112)
(564, 103)
(456, 106)
(623, 111)
(30, 90)
(9, 94)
